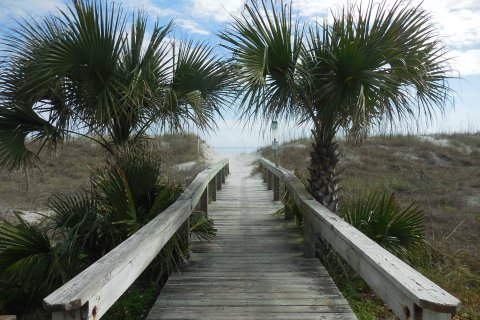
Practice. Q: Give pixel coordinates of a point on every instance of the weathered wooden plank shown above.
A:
(95, 289)
(185, 312)
(404, 289)
(254, 269)
(342, 309)
(175, 314)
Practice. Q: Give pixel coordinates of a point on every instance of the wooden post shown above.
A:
(184, 231)
(204, 201)
(264, 175)
(269, 180)
(309, 239)
(218, 177)
(288, 210)
(223, 174)
(322, 248)
(212, 188)
(276, 188)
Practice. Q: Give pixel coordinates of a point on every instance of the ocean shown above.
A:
(235, 150)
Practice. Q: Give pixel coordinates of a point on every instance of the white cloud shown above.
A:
(458, 20)
(149, 7)
(218, 10)
(13, 9)
(191, 26)
(466, 62)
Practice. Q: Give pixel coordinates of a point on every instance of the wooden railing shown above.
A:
(407, 292)
(92, 292)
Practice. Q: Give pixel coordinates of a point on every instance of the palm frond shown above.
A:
(381, 218)
(200, 87)
(372, 63)
(25, 253)
(265, 44)
(202, 226)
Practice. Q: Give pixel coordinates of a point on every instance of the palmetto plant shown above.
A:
(83, 71)
(370, 63)
(380, 217)
(124, 196)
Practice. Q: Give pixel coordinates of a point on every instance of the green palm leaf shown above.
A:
(26, 252)
(381, 218)
(78, 72)
(265, 46)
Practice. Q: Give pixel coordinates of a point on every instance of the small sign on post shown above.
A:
(275, 144)
(274, 140)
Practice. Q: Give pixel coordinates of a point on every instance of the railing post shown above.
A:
(218, 178)
(264, 174)
(276, 188)
(309, 239)
(184, 232)
(202, 204)
(223, 175)
(269, 180)
(288, 210)
(212, 188)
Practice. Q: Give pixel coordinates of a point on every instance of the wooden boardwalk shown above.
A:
(254, 269)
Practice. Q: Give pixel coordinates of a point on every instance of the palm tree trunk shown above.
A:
(323, 182)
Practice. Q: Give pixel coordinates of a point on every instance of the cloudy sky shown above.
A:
(458, 22)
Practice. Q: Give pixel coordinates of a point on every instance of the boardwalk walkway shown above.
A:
(254, 269)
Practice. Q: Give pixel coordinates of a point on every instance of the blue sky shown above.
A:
(458, 22)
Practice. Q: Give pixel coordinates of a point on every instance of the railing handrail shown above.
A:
(92, 292)
(407, 292)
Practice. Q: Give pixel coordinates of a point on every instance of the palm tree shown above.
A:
(83, 72)
(368, 64)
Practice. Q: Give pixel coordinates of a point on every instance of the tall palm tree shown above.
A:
(368, 64)
(82, 71)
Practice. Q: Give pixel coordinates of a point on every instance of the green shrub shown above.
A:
(124, 196)
(381, 218)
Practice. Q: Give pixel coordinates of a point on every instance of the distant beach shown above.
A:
(235, 150)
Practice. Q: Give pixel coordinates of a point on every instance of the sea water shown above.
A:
(235, 149)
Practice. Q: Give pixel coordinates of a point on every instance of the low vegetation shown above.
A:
(68, 170)
(88, 218)
(441, 175)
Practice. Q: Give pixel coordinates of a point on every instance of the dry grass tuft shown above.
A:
(67, 170)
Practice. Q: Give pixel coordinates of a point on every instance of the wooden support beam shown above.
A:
(276, 188)
(269, 180)
(223, 173)
(264, 174)
(288, 209)
(212, 188)
(204, 201)
(218, 177)
(309, 239)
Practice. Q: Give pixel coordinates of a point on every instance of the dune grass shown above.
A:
(68, 169)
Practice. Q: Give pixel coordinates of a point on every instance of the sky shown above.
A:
(458, 23)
